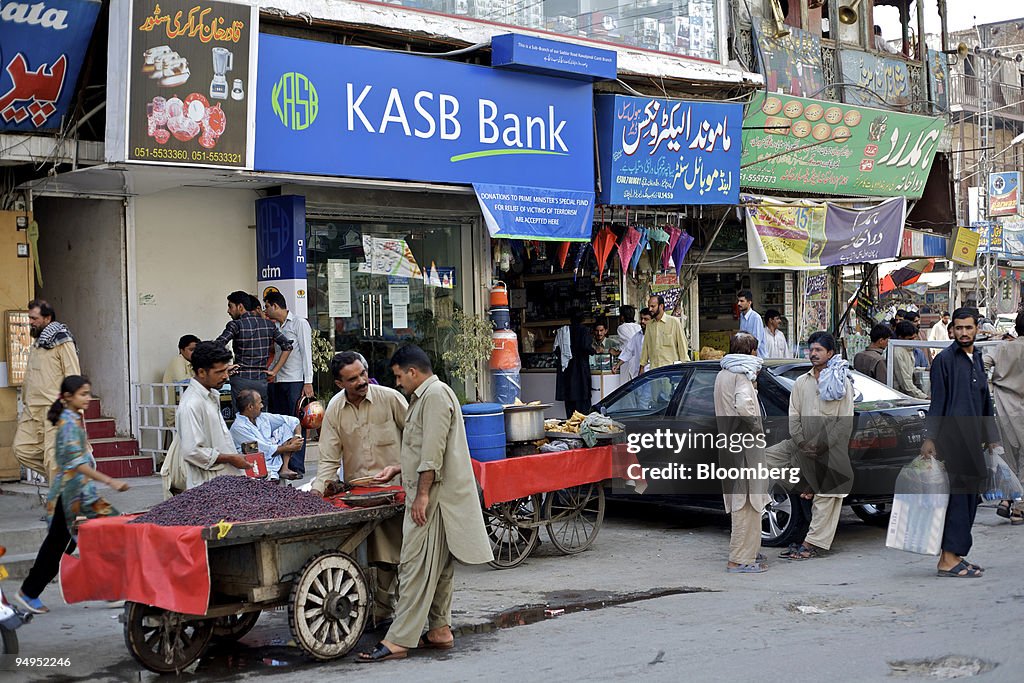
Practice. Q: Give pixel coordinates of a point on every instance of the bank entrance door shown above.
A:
(375, 286)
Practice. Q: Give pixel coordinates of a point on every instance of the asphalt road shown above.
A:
(651, 601)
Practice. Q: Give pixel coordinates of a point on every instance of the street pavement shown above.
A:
(650, 600)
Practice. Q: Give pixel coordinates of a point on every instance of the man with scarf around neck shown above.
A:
(53, 357)
(739, 412)
(820, 423)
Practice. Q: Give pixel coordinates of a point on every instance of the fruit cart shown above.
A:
(562, 492)
(306, 563)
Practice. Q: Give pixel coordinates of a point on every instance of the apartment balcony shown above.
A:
(965, 95)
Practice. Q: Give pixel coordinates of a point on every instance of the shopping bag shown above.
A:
(1002, 483)
(919, 507)
(172, 473)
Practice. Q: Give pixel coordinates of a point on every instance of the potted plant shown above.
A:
(469, 346)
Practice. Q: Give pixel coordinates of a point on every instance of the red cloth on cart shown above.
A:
(162, 566)
(505, 480)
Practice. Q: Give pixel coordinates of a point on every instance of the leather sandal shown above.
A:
(428, 644)
(380, 653)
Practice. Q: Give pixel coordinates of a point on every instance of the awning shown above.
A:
(536, 213)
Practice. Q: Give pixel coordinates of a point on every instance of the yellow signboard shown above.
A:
(964, 246)
(19, 342)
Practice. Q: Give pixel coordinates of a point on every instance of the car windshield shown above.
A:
(867, 389)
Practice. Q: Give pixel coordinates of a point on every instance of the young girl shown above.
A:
(72, 492)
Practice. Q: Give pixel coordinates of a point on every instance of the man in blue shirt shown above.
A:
(750, 320)
(959, 426)
(277, 436)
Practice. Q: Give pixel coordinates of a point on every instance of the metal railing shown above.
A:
(1007, 98)
(154, 405)
(920, 344)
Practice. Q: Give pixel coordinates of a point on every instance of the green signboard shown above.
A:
(836, 149)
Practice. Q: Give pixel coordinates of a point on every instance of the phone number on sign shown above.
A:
(196, 156)
(41, 662)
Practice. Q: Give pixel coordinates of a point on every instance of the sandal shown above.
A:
(756, 568)
(380, 653)
(800, 552)
(962, 570)
(428, 644)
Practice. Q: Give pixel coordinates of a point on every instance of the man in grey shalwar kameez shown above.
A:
(443, 520)
(1006, 363)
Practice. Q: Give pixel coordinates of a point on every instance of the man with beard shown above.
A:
(362, 431)
(959, 426)
(53, 357)
(252, 337)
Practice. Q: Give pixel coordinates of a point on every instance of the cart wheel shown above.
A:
(329, 605)
(235, 626)
(574, 516)
(512, 540)
(162, 641)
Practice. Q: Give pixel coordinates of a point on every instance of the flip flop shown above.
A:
(428, 644)
(800, 553)
(747, 569)
(380, 653)
(962, 570)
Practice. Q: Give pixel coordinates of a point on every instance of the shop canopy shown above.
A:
(536, 213)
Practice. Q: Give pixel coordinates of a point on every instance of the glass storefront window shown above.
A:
(385, 311)
(679, 27)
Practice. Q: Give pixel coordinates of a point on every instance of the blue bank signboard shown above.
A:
(542, 55)
(660, 151)
(330, 109)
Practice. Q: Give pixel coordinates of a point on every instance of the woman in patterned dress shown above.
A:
(72, 492)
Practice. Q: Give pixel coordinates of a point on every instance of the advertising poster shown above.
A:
(816, 306)
(864, 235)
(802, 145)
(19, 344)
(42, 47)
(661, 151)
(938, 79)
(190, 78)
(1004, 194)
(535, 213)
(792, 63)
(883, 80)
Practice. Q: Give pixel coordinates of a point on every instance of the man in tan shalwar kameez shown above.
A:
(739, 412)
(53, 357)
(362, 431)
(443, 520)
(819, 443)
(1006, 363)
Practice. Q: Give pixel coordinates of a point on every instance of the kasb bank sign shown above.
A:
(402, 117)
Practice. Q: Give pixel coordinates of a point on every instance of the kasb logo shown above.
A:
(295, 101)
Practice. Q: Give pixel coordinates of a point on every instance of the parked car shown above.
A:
(887, 434)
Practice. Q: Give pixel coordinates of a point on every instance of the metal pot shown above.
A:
(525, 423)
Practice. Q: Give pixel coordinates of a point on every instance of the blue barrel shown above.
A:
(501, 319)
(506, 386)
(485, 430)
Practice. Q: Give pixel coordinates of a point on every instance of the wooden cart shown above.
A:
(566, 499)
(306, 563)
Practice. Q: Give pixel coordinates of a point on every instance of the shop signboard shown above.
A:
(917, 244)
(1004, 237)
(1004, 193)
(553, 57)
(43, 47)
(533, 213)
(811, 236)
(187, 70)
(964, 247)
(281, 249)
(792, 63)
(881, 81)
(336, 110)
(938, 79)
(810, 146)
(660, 151)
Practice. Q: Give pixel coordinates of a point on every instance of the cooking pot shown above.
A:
(525, 423)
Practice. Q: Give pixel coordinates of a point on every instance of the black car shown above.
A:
(887, 434)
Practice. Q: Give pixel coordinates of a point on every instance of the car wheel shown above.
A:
(875, 514)
(783, 520)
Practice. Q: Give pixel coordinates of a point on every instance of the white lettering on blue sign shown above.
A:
(34, 15)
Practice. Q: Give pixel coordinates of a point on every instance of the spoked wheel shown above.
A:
(783, 520)
(514, 530)
(329, 606)
(162, 641)
(575, 515)
(235, 626)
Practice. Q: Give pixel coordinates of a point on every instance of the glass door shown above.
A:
(375, 286)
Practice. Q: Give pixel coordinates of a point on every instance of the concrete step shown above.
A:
(100, 428)
(123, 467)
(22, 540)
(114, 448)
(18, 566)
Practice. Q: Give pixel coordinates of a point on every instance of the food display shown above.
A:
(234, 499)
(570, 426)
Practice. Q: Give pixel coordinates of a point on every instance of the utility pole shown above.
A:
(987, 289)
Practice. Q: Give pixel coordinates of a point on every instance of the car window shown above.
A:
(699, 396)
(867, 389)
(645, 396)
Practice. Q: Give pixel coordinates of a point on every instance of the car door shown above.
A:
(648, 396)
(695, 411)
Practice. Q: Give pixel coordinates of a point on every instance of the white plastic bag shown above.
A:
(919, 507)
(1002, 483)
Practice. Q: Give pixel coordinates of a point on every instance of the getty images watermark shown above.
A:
(672, 446)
